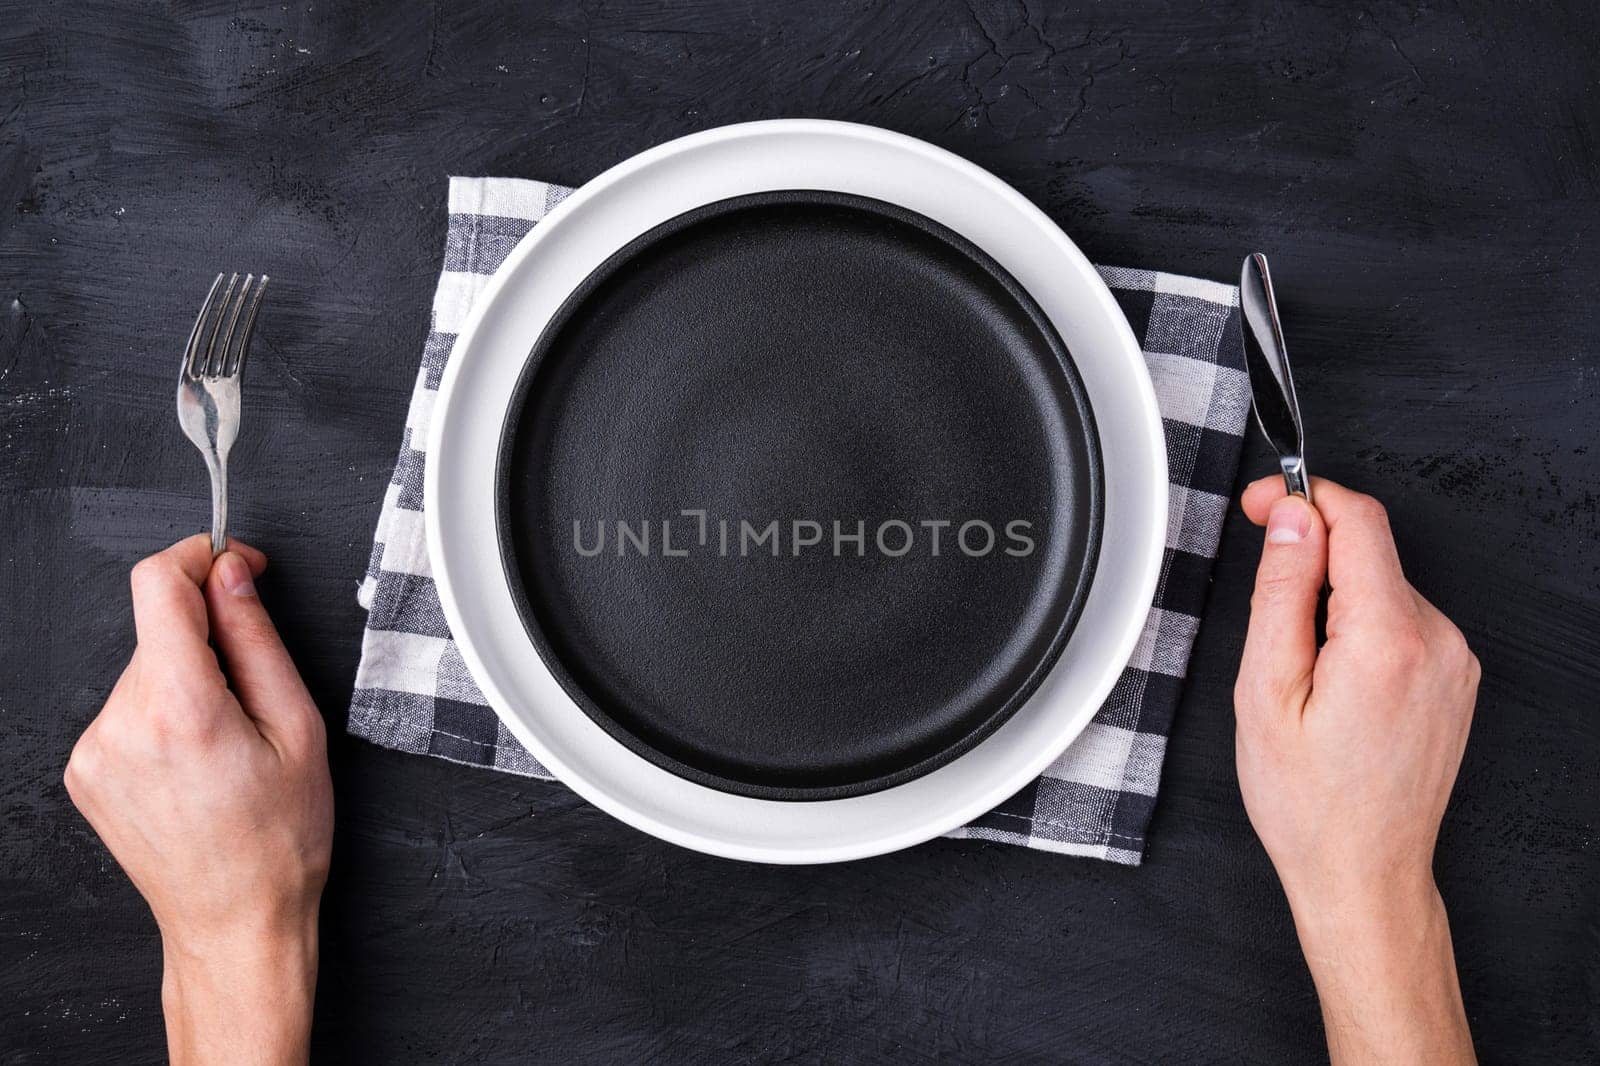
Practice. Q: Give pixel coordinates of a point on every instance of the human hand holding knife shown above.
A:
(1353, 707)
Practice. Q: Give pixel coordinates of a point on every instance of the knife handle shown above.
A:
(1299, 484)
(1295, 476)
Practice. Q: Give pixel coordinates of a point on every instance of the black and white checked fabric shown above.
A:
(413, 692)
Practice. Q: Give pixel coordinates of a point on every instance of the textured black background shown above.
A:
(1425, 182)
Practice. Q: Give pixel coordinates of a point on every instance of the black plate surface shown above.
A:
(803, 358)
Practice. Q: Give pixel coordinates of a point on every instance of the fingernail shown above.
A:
(1289, 521)
(235, 575)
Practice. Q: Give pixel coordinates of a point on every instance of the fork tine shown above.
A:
(221, 353)
(216, 326)
(191, 351)
(242, 349)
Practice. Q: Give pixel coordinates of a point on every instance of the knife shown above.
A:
(1271, 382)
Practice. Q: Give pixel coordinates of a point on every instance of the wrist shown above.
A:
(1340, 908)
(249, 990)
(1342, 914)
(1380, 955)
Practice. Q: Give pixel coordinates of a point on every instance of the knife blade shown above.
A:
(1271, 381)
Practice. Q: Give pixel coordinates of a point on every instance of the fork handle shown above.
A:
(218, 469)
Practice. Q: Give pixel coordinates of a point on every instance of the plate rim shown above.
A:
(903, 824)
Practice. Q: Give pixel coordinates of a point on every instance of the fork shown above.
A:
(208, 384)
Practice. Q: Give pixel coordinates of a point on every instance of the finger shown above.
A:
(169, 614)
(260, 671)
(192, 556)
(1280, 648)
(254, 556)
(1260, 495)
(1363, 564)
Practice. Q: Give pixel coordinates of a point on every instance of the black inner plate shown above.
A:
(800, 358)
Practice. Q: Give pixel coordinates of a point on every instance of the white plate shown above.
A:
(578, 236)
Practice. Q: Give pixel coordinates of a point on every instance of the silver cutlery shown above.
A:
(1271, 382)
(208, 384)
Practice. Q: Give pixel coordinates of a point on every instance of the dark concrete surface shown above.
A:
(1425, 181)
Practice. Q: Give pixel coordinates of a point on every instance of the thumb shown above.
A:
(1280, 649)
(259, 669)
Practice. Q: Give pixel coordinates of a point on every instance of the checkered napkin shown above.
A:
(413, 692)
